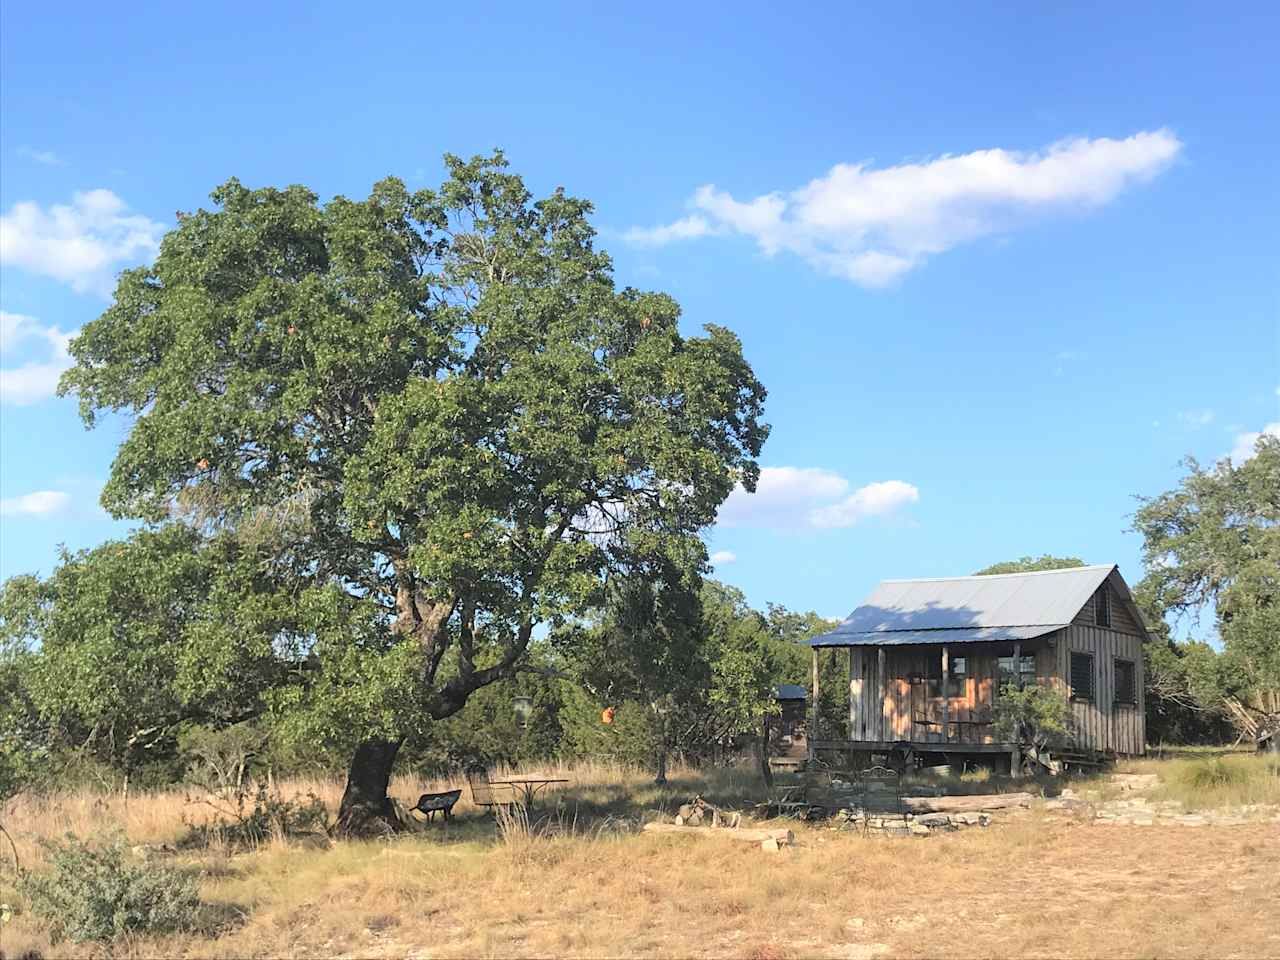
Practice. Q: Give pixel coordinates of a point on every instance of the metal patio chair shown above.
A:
(485, 794)
(884, 785)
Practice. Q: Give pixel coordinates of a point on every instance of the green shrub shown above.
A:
(99, 892)
(1034, 714)
(247, 819)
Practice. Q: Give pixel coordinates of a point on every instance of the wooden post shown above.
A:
(813, 732)
(1015, 755)
(946, 695)
(855, 693)
(881, 689)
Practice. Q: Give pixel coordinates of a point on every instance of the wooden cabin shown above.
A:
(928, 657)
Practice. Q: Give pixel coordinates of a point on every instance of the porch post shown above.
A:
(855, 695)
(813, 732)
(1015, 755)
(946, 699)
(881, 690)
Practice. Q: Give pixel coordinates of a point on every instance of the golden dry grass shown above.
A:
(1031, 887)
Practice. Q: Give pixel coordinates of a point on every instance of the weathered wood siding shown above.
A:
(889, 708)
(1122, 620)
(1104, 724)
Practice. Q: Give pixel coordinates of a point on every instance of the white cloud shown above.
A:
(83, 244)
(34, 379)
(873, 500)
(791, 497)
(721, 557)
(872, 226)
(46, 157)
(34, 504)
(1245, 443)
(1196, 418)
(686, 228)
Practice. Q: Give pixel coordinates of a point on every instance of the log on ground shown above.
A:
(972, 802)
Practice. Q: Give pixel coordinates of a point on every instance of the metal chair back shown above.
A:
(886, 782)
(483, 793)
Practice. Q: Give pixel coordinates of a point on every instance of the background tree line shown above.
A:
(397, 461)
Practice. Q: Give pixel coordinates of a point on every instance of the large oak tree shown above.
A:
(451, 420)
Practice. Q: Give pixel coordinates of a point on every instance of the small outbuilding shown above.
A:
(927, 659)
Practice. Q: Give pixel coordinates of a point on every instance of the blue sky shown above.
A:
(1000, 267)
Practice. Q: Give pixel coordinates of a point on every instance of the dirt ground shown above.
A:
(1034, 884)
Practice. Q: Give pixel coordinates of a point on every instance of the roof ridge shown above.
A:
(998, 576)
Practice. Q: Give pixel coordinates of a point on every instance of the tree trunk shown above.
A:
(366, 810)
(765, 770)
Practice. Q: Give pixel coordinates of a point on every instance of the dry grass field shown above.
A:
(585, 885)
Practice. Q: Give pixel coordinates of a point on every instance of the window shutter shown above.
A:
(1081, 676)
(1126, 682)
(1102, 607)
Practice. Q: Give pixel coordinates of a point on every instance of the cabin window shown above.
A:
(957, 674)
(958, 686)
(1082, 676)
(1023, 673)
(1102, 607)
(1126, 682)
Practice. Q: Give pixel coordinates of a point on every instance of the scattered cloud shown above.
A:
(1245, 444)
(687, 228)
(722, 557)
(873, 500)
(40, 503)
(45, 157)
(36, 378)
(872, 226)
(790, 497)
(83, 244)
(1196, 418)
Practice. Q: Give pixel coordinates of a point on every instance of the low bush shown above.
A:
(250, 818)
(99, 892)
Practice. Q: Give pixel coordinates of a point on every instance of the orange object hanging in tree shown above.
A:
(607, 715)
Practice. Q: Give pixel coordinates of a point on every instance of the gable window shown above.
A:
(1082, 676)
(1126, 682)
(1102, 607)
(1023, 673)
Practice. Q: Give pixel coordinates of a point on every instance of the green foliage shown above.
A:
(1034, 714)
(24, 746)
(436, 411)
(137, 636)
(793, 662)
(1214, 542)
(97, 892)
(1030, 565)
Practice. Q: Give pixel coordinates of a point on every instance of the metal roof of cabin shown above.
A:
(1005, 606)
(790, 691)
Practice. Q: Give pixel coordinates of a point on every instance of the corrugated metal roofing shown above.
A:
(965, 607)
(790, 691)
(890, 638)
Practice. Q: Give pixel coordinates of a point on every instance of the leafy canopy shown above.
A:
(434, 405)
(1030, 565)
(1214, 541)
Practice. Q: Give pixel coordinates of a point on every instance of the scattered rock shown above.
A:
(1134, 781)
